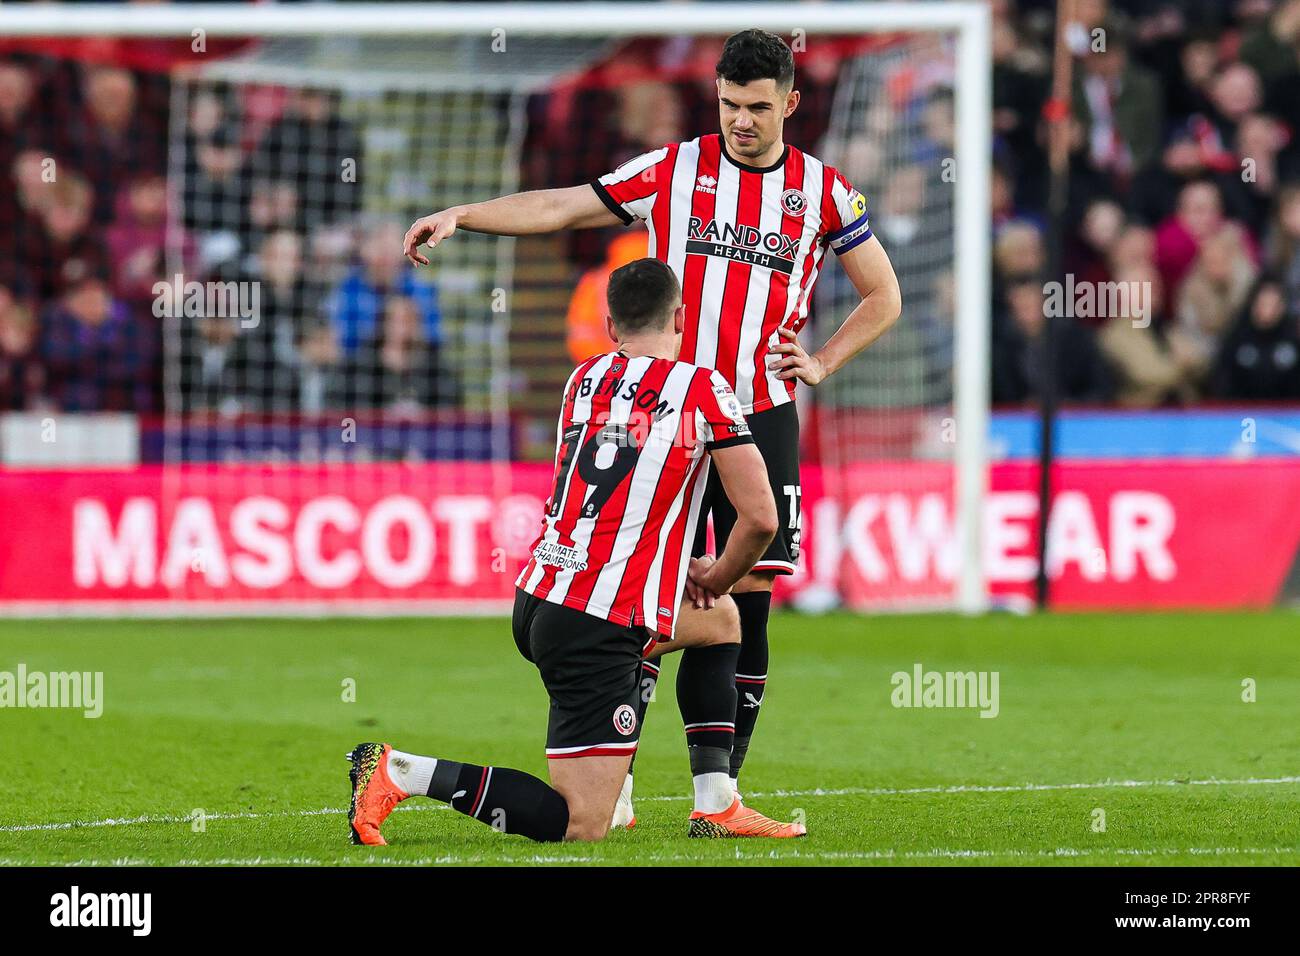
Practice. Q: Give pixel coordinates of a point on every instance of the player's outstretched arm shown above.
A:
(872, 275)
(744, 478)
(519, 214)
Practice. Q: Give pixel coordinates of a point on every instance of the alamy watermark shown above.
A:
(215, 300)
(1099, 300)
(133, 911)
(922, 688)
(76, 690)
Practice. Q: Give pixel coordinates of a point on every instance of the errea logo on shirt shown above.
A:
(706, 184)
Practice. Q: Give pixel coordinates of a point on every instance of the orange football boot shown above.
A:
(739, 820)
(374, 795)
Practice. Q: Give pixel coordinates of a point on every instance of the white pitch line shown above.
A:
(1012, 788)
(770, 794)
(176, 818)
(451, 859)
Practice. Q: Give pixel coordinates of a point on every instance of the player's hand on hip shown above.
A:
(793, 362)
(430, 230)
(700, 596)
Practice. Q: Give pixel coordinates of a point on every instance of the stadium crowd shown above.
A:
(1185, 180)
(85, 238)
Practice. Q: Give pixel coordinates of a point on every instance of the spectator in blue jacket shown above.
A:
(356, 306)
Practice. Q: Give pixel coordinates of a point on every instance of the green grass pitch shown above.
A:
(1139, 717)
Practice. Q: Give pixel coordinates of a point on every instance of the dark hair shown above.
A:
(642, 296)
(756, 55)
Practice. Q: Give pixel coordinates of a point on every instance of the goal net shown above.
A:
(327, 426)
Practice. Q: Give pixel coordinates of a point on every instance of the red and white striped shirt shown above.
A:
(746, 244)
(631, 464)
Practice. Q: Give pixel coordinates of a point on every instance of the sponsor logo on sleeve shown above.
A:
(728, 402)
(857, 203)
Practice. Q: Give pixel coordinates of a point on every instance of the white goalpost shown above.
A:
(419, 88)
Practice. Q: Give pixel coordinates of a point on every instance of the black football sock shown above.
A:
(751, 669)
(706, 697)
(646, 681)
(508, 800)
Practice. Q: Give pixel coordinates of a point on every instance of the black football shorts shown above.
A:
(776, 433)
(591, 668)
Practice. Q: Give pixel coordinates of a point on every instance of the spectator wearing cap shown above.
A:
(215, 198)
(98, 356)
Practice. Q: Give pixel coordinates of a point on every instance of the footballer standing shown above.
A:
(610, 580)
(745, 221)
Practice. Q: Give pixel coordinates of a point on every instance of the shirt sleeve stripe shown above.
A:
(728, 442)
(611, 203)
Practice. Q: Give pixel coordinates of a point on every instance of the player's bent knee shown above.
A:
(588, 822)
(724, 622)
(755, 581)
(588, 830)
(589, 787)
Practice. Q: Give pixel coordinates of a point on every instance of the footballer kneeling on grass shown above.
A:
(610, 580)
(746, 221)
